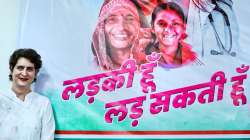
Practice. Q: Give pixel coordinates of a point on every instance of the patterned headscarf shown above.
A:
(99, 45)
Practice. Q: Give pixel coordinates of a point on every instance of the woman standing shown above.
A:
(25, 114)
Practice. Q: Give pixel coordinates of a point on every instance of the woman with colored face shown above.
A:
(116, 33)
(168, 26)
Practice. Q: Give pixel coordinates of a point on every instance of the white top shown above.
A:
(31, 119)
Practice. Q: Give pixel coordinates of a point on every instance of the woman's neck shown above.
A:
(168, 53)
(21, 92)
(118, 56)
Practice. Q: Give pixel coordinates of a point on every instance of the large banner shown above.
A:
(140, 68)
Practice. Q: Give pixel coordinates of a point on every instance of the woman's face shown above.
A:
(23, 74)
(121, 28)
(168, 28)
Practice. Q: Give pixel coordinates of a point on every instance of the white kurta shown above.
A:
(31, 119)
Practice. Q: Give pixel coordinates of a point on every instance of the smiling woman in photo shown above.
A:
(168, 27)
(117, 29)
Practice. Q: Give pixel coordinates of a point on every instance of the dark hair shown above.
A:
(29, 54)
(143, 20)
(165, 6)
(168, 6)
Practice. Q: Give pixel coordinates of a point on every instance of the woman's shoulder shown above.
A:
(40, 98)
(188, 55)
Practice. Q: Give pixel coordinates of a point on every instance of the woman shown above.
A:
(168, 26)
(116, 33)
(25, 114)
